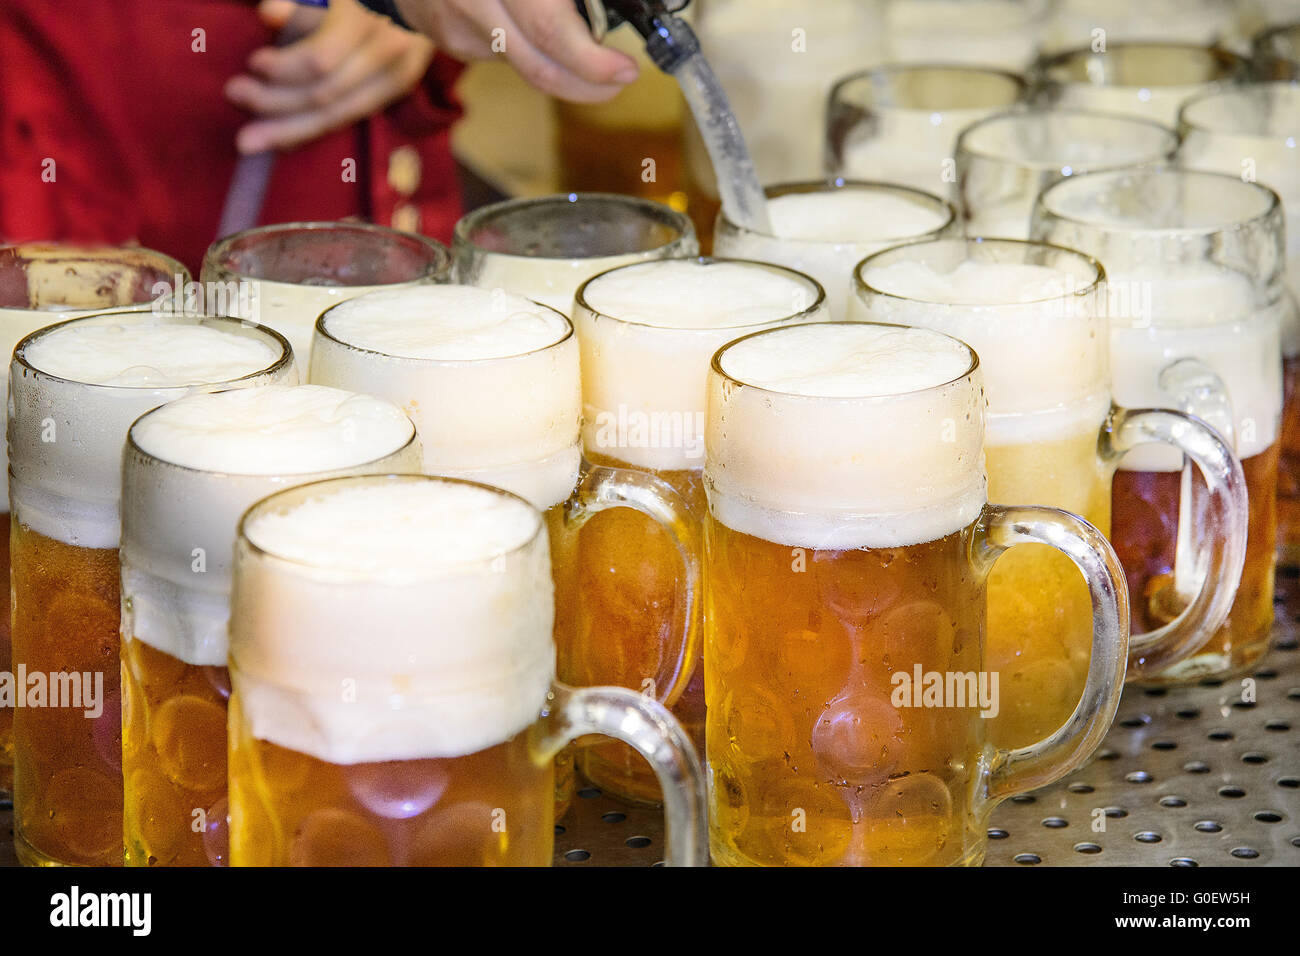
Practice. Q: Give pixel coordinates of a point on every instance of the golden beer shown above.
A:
(848, 545)
(647, 333)
(190, 469)
(438, 751)
(91, 377)
(1144, 533)
(40, 284)
(1051, 431)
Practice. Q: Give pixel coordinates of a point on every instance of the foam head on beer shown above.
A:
(193, 466)
(490, 379)
(391, 618)
(826, 231)
(75, 389)
(647, 333)
(998, 299)
(846, 436)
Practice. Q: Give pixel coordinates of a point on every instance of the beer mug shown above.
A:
(1147, 80)
(899, 123)
(43, 283)
(1005, 161)
(824, 229)
(999, 33)
(849, 540)
(543, 249)
(285, 275)
(74, 390)
(647, 332)
(1194, 263)
(190, 470)
(367, 728)
(491, 381)
(1253, 130)
(1037, 317)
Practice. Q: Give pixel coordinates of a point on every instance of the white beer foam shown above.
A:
(195, 465)
(148, 356)
(273, 430)
(490, 379)
(451, 323)
(647, 337)
(69, 419)
(398, 619)
(826, 233)
(1040, 335)
(857, 436)
(1204, 313)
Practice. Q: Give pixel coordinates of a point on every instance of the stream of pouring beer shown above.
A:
(742, 196)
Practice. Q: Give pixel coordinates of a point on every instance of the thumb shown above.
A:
(276, 13)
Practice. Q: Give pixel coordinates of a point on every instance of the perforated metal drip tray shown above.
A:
(1192, 776)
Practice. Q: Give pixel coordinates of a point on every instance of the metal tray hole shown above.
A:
(589, 793)
(1115, 813)
(1029, 859)
(1232, 793)
(1209, 826)
(996, 833)
(1188, 713)
(1024, 798)
(613, 817)
(1173, 802)
(1080, 788)
(1243, 704)
(1254, 757)
(1155, 691)
(1266, 673)
(1107, 754)
(577, 856)
(559, 830)
(1277, 725)
(638, 842)
(1220, 735)
(1196, 766)
(1056, 823)
(1148, 836)
(1245, 853)
(1090, 848)
(1211, 682)
(1291, 783)
(1164, 745)
(1184, 861)
(1268, 816)
(1138, 776)
(1141, 720)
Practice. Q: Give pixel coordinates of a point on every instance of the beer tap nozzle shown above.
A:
(669, 40)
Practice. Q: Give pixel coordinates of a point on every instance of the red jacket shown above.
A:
(110, 99)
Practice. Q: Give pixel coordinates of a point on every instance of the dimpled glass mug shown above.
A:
(392, 684)
(847, 547)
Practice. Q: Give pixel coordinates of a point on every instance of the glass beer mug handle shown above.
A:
(602, 488)
(645, 725)
(1008, 772)
(1222, 556)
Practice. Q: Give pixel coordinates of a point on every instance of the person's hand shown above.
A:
(545, 40)
(342, 65)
